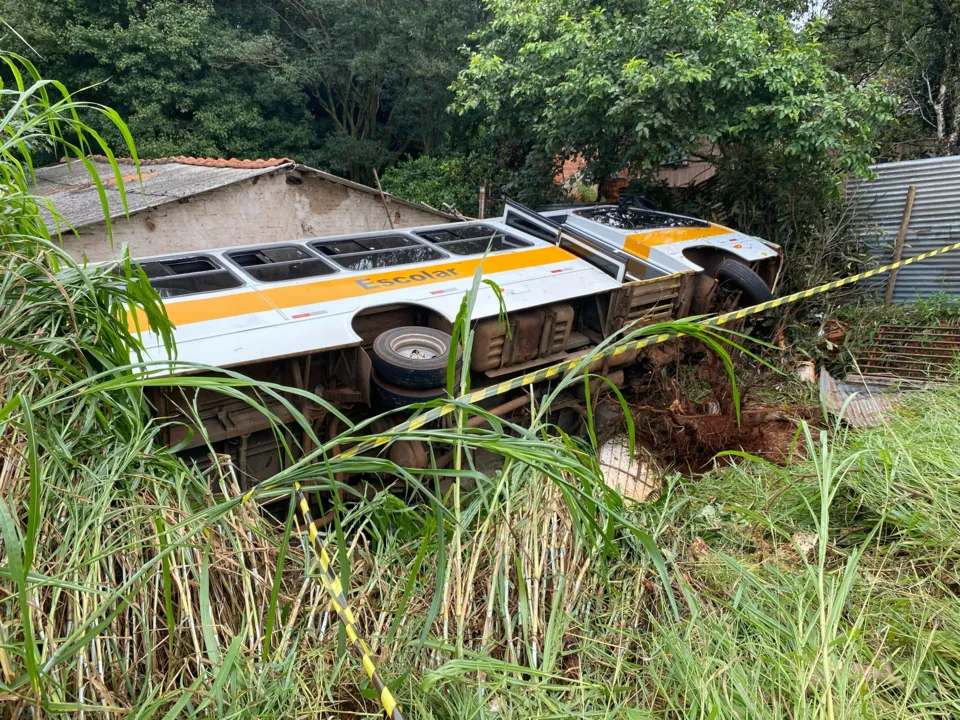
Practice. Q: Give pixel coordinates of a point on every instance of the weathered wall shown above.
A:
(268, 208)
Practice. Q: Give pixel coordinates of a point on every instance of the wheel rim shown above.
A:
(418, 346)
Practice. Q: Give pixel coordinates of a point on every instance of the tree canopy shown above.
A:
(166, 67)
(638, 83)
(499, 91)
(349, 86)
(914, 47)
(376, 72)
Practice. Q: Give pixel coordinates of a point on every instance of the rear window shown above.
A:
(631, 218)
(371, 253)
(473, 239)
(275, 264)
(176, 277)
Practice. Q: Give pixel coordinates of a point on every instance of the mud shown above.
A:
(688, 436)
(691, 443)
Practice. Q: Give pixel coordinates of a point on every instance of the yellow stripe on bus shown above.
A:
(184, 312)
(639, 244)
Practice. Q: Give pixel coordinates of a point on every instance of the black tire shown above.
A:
(733, 275)
(413, 357)
(394, 397)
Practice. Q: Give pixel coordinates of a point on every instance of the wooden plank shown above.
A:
(898, 245)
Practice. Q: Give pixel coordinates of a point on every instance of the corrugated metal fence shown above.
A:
(878, 207)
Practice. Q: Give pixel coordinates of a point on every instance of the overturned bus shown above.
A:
(364, 321)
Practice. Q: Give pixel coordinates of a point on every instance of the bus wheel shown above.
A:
(413, 357)
(733, 276)
(394, 397)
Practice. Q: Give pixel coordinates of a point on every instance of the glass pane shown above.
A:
(473, 239)
(285, 253)
(633, 219)
(479, 245)
(385, 242)
(339, 247)
(476, 231)
(174, 286)
(265, 256)
(389, 258)
(520, 223)
(278, 272)
(356, 245)
(246, 259)
(439, 236)
(154, 269)
(183, 266)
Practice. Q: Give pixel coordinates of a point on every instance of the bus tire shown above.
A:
(394, 397)
(413, 357)
(733, 275)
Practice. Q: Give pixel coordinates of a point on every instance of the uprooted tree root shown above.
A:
(691, 443)
(689, 435)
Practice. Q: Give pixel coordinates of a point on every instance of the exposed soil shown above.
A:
(688, 435)
(691, 443)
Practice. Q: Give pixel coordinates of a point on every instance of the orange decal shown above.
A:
(399, 277)
(210, 308)
(184, 312)
(639, 244)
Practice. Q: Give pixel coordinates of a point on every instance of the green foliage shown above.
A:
(633, 84)
(40, 116)
(507, 167)
(342, 85)
(437, 181)
(376, 74)
(169, 68)
(912, 46)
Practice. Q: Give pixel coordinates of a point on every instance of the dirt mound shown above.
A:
(691, 443)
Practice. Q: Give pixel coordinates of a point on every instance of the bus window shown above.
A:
(521, 223)
(371, 253)
(472, 239)
(278, 263)
(176, 277)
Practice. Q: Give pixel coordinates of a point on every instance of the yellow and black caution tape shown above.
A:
(555, 370)
(332, 584)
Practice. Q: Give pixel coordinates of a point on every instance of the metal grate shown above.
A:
(913, 351)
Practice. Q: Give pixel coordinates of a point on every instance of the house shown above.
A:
(686, 172)
(189, 204)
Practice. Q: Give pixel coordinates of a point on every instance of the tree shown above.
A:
(378, 71)
(168, 66)
(348, 86)
(631, 85)
(914, 47)
(637, 83)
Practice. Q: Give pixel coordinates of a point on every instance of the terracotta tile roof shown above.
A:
(203, 162)
(231, 163)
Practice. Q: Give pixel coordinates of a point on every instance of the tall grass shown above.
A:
(132, 583)
(138, 584)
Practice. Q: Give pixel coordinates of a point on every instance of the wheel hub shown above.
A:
(417, 347)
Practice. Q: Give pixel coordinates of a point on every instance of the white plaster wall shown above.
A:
(265, 209)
